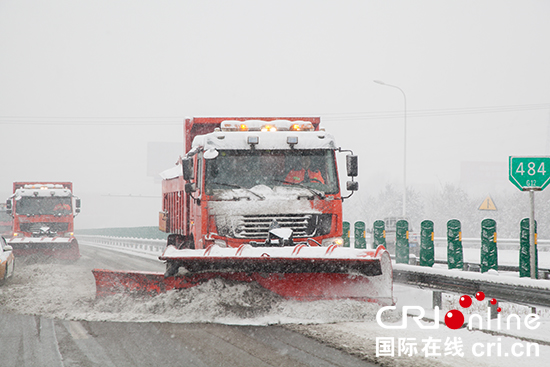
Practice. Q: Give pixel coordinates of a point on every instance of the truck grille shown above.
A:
(257, 226)
(34, 228)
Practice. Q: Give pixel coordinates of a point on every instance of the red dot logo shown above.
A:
(493, 301)
(465, 301)
(480, 296)
(454, 319)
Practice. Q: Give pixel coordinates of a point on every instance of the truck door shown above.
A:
(198, 220)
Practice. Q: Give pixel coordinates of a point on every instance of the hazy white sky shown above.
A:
(85, 85)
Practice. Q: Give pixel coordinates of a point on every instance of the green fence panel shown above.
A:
(455, 256)
(379, 234)
(524, 250)
(402, 242)
(427, 256)
(345, 234)
(489, 255)
(360, 236)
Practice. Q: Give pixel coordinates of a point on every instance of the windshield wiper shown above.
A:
(239, 187)
(316, 192)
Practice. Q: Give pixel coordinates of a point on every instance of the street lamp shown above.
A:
(404, 145)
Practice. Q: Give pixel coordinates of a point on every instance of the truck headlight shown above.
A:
(338, 241)
(220, 243)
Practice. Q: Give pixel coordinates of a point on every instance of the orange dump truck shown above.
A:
(43, 219)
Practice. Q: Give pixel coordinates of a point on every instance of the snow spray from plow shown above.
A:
(300, 272)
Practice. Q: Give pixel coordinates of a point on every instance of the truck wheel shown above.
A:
(172, 268)
(180, 242)
(188, 242)
(174, 240)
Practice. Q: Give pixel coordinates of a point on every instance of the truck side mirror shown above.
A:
(77, 204)
(352, 165)
(352, 185)
(190, 187)
(8, 204)
(187, 166)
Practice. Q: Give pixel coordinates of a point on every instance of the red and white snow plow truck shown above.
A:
(258, 199)
(43, 219)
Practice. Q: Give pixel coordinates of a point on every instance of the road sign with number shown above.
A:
(530, 173)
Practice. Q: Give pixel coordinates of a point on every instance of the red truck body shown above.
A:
(43, 219)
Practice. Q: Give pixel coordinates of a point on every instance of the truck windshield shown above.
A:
(43, 205)
(245, 169)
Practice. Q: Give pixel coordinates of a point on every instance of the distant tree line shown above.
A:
(451, 202)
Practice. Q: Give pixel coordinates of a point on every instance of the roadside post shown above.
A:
(345, 227)
(455, 256)
(402, 242)
(360, 236)
(427, 255)
(530, 174)
(525, 249)
(489, 253)
(379, 233)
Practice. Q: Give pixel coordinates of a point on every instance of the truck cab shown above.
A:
(259, 182)
(43, 219)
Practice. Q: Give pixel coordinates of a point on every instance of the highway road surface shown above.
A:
(34, 332)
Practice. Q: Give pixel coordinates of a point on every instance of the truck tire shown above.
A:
(172, 268)
(174, 240)
(188, 242)
(180, 242)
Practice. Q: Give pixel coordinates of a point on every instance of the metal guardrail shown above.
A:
(544, 273)
(139, 244)
(502, 243)
(469, 242)
(514, 293)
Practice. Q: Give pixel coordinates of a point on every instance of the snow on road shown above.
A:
(67, 291)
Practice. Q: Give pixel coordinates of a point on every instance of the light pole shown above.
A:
(404, 145)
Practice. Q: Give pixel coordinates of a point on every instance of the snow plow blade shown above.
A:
(62, 248)
(300, 272)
